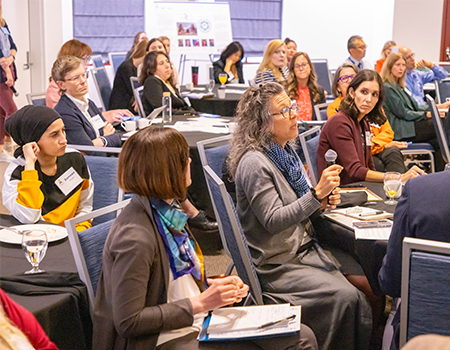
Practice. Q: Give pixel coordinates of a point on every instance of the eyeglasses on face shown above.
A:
(410, 56)
(287, 111)
(301, 66)
(78, 78)
(362, 47)
(86, 58)
(346, 78)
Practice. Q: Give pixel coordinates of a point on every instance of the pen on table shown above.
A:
(269, 324)
(378, 212)
(221, 126)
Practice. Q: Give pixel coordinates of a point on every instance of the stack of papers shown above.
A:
(197, 95)
(245, 322)
(202, 124)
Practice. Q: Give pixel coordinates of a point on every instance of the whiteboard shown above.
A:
(193, 27)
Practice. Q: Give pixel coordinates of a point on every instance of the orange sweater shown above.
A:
(379, 66)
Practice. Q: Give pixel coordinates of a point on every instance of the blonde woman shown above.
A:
(273, 68)
(302, 86)
(387, 48)
(122, 92)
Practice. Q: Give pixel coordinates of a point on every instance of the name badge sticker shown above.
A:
(68, 181)
(6, 31)
(97, 122)
(368, 139)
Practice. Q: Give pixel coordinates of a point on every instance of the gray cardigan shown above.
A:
(131, 306)
(271, 215)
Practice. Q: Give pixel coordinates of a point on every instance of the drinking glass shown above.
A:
(210, 85)
(392, 184)
(34, 245)
(223, 78)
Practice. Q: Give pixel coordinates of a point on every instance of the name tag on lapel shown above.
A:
(97, 122)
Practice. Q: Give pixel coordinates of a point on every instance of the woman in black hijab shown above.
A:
(46, 181)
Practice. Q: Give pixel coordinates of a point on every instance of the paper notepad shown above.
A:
(244, 322)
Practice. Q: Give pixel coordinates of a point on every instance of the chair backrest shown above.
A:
(234, 235)
(97, 61)
(36, 99)
(137, 93)
(103, 86)
(87, 246)
(309, 141)
(135, 82)
(425, 285)
(251, 82)
(116, 59)
(106, 190)
(321, 111)
(442, 90)
(439, 129)
(323, 73)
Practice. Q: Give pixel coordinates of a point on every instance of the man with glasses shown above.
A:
(357, 50)
(416, 77)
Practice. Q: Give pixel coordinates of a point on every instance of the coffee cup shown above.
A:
(143, 122)
(190, 86)
(129, 125)
(221, 93)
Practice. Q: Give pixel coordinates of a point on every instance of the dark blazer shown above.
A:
(343, 134)
(78, 129)
(153, 94)
(322, 100)
(131, 306)
(219, 67)
(122, 91)
(422, 211)
(402, 110)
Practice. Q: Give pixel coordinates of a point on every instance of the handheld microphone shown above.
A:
(330, 157)
(14, 91)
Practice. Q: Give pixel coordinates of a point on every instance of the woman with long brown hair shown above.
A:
(302, 86)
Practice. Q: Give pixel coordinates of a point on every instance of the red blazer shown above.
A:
(344, 135)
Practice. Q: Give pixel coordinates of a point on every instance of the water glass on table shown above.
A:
(210, 85)
(34, 245)
(392, 185)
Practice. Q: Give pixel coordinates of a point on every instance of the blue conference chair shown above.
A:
(97, 61)
(321, 111)
(87, 246)
(309, 141)
(36, 99)
(425, 298)
(323, 73)
(116, 59)
(103, 86)
(231, 229)
(439, 129)
(442, 90)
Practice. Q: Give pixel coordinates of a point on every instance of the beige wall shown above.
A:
(418, 25)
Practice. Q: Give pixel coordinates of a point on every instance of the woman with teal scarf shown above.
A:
(153, 293)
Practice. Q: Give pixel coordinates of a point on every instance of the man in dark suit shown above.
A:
(83, 121)
(422, 211)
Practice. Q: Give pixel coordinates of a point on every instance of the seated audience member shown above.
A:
(422, 212)
(387, 48)
(84, 122)
(155, 44)
(155, 77)
(417, 77)
(30, 190)
(122, 92)
(273, 67)
(291, 49)
(166, 42)
(275, 203)
(140, 36)
(348, 131)
(70, 48)
(302, 86)
(385, 151)
(357, 49)
(230, 63)
(409, 121)
(19, 329)
(153, 292)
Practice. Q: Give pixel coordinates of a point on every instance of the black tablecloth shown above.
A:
(224, 107)
(57, 298)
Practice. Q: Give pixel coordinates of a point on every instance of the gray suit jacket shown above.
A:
(131, 306)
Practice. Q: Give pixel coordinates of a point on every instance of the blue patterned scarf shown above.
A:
(185, 255)
(288, 162)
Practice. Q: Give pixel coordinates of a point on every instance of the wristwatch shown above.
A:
(105, 141)
(313, 192)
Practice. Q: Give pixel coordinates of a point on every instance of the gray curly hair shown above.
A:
(254, 125)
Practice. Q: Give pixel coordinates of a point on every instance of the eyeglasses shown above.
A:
(287, 111)
(301, 66)
(77, 78)
(410, 56)
(362, 47)
(346, 78)
(86, 58)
